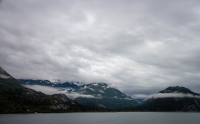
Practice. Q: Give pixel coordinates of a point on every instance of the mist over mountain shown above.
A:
(15, 98)
(92, 94)
(172, 99)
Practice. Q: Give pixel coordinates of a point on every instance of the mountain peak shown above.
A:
(99, 84)
(178, 89)
(4, 74)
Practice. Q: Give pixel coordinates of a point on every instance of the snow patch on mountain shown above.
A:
(91, 89)
(95, 84)
(101, 91)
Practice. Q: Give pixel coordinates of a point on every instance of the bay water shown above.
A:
(103, 118)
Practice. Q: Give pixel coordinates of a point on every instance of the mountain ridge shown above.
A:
(101, 94)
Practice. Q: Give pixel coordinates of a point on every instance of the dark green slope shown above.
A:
(15, 98)
(185, 103)
(105, 102)
(170, 105)
(105, 96)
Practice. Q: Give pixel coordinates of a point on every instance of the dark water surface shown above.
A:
(103, 118)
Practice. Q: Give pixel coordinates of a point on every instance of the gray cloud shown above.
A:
(129, 44)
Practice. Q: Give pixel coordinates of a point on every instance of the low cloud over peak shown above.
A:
(164, 95)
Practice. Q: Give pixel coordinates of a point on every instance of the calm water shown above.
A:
(103, 118)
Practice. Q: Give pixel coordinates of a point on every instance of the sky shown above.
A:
(138, 46)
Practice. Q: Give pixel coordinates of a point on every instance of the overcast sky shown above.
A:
(138, 46)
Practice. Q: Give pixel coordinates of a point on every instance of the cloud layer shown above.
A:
(130, 44)
(50, 91)
(164, 95)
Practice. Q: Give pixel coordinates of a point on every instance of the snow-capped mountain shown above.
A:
(94, 94)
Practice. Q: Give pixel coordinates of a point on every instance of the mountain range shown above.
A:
(93, 94)
(28, 96)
